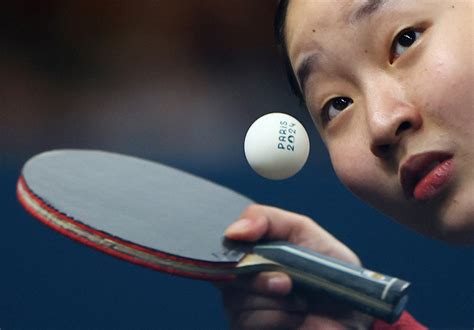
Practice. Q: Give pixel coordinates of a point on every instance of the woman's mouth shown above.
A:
(424, 176)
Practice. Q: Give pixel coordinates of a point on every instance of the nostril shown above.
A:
(403, 127)
(383, 149)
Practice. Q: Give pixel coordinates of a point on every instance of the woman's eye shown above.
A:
(403, 41)
(335, 106)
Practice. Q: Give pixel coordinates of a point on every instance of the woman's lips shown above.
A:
(424, 176)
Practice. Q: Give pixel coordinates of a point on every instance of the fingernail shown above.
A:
(238, 227)
(277, 284)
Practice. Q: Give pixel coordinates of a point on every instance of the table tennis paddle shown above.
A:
(172, 221)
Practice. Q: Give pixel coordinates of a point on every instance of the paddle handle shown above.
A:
(381, 296)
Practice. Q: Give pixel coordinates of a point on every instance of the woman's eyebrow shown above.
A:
(307, 66)
(369, 8)
(310, 63)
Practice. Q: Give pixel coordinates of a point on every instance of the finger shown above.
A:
(266, 283)
(321, 322)
(260, 221)
(236, 301)
(355, 320)
(266, 222)
(249, 229)
(267, 319)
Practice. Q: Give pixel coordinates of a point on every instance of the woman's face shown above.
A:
(389, 84)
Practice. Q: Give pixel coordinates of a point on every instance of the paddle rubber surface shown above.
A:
(135, 209)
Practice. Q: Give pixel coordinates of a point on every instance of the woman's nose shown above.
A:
(390, 118)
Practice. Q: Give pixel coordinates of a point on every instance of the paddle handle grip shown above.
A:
(381, 296)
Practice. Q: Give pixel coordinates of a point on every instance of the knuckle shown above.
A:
(307, 221)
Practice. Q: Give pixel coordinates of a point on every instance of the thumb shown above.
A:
(259, 222)
(265, 222)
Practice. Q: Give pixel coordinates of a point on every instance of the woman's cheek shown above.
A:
(445, 84)
(356, 170)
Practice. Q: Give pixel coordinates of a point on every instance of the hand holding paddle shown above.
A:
(267, 300)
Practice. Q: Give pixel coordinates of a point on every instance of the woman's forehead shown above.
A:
(343, 10)
(305, 17)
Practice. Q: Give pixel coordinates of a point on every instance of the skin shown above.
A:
(404, 101)
(266, 301)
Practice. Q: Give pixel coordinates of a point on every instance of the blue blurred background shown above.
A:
(177, 82)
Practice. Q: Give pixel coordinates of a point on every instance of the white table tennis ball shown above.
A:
(276, 146)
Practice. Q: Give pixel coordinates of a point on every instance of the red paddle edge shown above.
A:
(21, 185)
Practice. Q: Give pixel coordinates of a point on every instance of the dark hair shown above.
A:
(279, 25)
